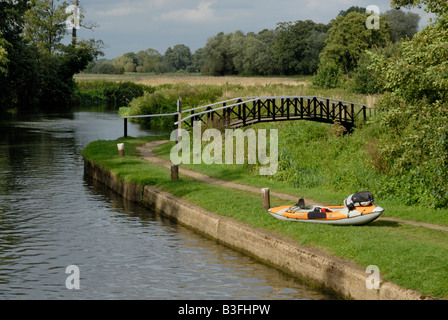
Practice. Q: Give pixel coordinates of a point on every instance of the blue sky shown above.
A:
(134, 25)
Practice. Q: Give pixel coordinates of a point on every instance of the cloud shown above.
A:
(128, 8)
(202, 13)
(118, 12)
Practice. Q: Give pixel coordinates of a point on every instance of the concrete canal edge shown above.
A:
(318, 268)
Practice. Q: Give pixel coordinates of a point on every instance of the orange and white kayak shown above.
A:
(338, 215)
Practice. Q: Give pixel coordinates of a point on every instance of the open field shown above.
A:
(236, 86)
(155, 80)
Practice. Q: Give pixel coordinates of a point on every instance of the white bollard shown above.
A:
(120, 149)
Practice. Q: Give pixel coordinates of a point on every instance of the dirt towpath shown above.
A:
(147, 154)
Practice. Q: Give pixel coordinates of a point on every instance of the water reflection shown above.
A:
(51, 217)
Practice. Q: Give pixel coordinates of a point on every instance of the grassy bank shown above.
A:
(412, 257)
(316, 163)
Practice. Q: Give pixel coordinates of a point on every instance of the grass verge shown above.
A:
(412, 257)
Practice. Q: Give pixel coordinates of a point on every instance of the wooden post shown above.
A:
(120, 147)
(174, 172)
(266, 199)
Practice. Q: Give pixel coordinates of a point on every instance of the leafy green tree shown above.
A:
(297, 46)
(438, 7)
(344, 13)
(252, 53)
(402, 24)
(218, 56)
(3, 55)
(265, 61)
(40, 68)
(147, 60)
(366, 80)
(125, 63)
(197, 61)
(45, 24)
(101, 66)
(178, 57)
(348, 38)
(18, 80)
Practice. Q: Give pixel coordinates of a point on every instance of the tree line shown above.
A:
(292, 48)
(36, 68)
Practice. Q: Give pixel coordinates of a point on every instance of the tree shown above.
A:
(197, 61)
(46, 24)
(3, 55)
(125, 63)
(178, 57)
(218, 56)
(265, 61)
(366, 80)
(18, 79)
(344, 13)
(402, 24)
(40, 68)
(439, 7)
(147, 60)
(252, 53)
(348, 38)
(297, 46)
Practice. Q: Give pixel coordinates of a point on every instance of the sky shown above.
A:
(134, 25)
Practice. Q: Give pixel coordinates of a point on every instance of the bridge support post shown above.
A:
(125, 126)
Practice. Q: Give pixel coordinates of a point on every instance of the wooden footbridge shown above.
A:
(241, 112)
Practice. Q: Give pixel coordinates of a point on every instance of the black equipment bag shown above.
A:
(359, 199)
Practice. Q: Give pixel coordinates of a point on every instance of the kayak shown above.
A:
(337, 215)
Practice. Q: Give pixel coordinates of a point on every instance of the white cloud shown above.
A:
(118, 12)
(202, 13)
(128, 8)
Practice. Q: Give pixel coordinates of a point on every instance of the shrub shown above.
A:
(115, 94)
(415, 115)
(164, 100)
(328, 75)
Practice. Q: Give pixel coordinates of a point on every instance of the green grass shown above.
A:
(412, 257)
(322, 193)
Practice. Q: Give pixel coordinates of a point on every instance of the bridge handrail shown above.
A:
(243, 101)
(216, 109)
(150, 115)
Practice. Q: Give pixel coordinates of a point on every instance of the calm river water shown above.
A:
(51, 217)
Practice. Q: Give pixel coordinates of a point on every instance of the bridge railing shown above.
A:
(238, 112)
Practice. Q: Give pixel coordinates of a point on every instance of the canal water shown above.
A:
(52, 217)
